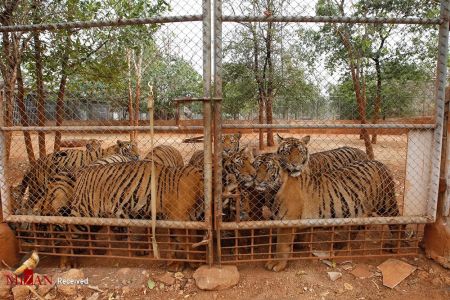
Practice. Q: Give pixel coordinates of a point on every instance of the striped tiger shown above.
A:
(60, 188)
(36, 178)
(113, 159)
(230, 143)
(358, 189)
(123, 190)
(237, 176)
(319, 162)
(167, 156)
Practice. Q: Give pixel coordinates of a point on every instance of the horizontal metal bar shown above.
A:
(104, 221)
(324, 222)
(99, 128)
(189, 99)
(99, 24)
(325, 126)
(332, 19)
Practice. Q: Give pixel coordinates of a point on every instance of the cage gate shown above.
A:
(76, 169)
(347, 81)
(317, 72)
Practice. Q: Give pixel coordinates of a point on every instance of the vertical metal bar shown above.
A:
(441, 78)
(445, 165)
(207, 110)
(218, 122)
(4, 190)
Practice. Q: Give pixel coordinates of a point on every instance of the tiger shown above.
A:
(319, 162)
(60, 188)
(36, 178)
(358, 189)
(123, 190)
(113, 159)
(237, 176)
(230, 144)
(166, 155)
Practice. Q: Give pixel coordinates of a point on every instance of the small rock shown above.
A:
(162, 286)
(150, 284)
(324, 294)
(348, 286)
(125, 290)
(5, 288)
(20, 292)
(216, 278)
(300, 273)
(423, 274)
(49, 297)
(436, 281)
(179, 275)
(70, 290)
(145, 273)
(305, 288)
(44, 289)
(334, 275)
(94, 296)
(124, 282)
(167, 278)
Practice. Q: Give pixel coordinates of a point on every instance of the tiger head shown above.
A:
(237, 168)
(59, 194)
(267, 170)
(293, 154)
(230, 142)
(94, 145)
(126, 148)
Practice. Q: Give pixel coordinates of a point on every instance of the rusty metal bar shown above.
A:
(103, 221)
(207, 123)
(325, 222)
(441, 82)
(100, 24)
(4, 190)
(218, 124)
(328, 126)
(99, 128)
(333, 19)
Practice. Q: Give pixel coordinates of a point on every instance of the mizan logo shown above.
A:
(28, 278)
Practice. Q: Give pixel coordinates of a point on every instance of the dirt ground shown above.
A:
(302, 280)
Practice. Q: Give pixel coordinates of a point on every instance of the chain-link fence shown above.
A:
(341, 105)
(94, 161)
(272, 125)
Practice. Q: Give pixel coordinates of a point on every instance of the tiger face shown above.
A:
(293, 154)
(238, 168)
(230, 142)
(126, 148)
(267, 171)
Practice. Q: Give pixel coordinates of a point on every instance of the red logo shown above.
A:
(28, 278)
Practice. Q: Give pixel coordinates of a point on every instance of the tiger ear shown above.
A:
(279, 138)
(120, 143)
(306, 139)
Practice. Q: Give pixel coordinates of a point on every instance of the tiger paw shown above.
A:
(276, 266)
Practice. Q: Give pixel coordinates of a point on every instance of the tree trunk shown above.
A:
(269, 95)
(130, 96)
(23, 116)
(40, 93)
(261, 121)
(361, 109)
(377, 104)
(138, 72)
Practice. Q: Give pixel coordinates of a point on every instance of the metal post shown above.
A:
(441, 78)
(218, 122)
(207, 143)
(4, 190)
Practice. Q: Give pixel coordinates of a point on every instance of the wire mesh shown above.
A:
(76, 87)
(342, 131)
